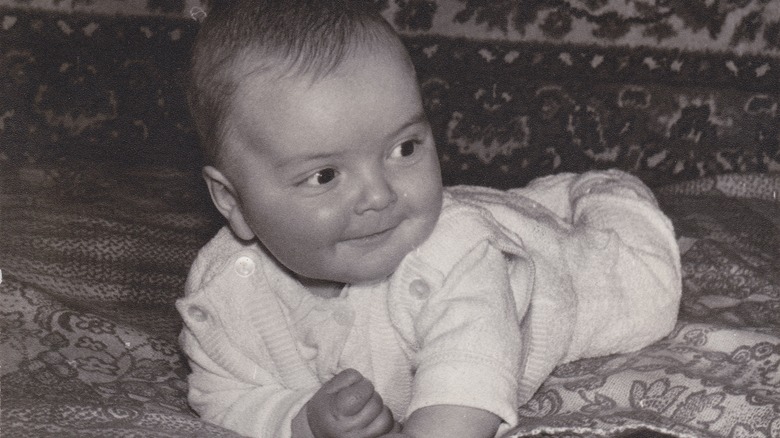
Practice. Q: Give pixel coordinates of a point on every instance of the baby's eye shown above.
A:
(404, 149)
(321, 177)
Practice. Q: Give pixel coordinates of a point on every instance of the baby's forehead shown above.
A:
(263, 82)
(314, 60)
(360, 99)
(256, 73)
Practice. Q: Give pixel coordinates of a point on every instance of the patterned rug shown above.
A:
(669, 91)
(737, 27)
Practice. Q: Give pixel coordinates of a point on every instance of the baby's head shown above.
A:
(314, 134)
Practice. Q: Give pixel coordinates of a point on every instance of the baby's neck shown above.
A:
(322, 288)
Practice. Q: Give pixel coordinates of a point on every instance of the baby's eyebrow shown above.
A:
(417, 118)
(297, 159)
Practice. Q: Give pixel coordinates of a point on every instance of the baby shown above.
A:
(350, 295)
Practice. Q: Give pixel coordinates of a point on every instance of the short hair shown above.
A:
(286, 38)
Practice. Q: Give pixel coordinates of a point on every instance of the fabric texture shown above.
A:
(450, 316)
(93, 257)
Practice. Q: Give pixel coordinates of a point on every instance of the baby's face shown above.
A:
(338, 179)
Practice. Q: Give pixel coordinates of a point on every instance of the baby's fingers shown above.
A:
(382, 424)
(342, 380)
(353, 399)
(375, 419)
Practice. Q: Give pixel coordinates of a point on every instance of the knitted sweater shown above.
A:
(509, 284)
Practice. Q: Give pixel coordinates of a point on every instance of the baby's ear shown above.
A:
(225, 198)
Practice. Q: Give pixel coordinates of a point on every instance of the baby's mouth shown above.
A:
(372, 238)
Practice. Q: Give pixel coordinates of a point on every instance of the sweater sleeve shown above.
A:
(624, 263)
(468, 338)
(250, 408)
(245, 375)
(604, 255)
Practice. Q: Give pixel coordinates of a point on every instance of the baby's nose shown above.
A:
(377, 194)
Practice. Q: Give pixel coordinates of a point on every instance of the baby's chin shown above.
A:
(378, 266)
(365, 276)
(367, 273)
(348, 272)
(382, 271)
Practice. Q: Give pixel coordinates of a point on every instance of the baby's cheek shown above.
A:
(331, 222)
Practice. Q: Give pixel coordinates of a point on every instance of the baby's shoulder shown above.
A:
(222, 252)
(461, 227)
(462, 220)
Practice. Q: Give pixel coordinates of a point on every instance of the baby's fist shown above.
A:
(347, 406)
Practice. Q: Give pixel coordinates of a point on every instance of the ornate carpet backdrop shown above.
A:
(668, 89)
(737, 26)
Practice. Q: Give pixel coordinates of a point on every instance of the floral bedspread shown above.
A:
(93, 257)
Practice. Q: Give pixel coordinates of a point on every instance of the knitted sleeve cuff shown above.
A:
(466, 381)
(256, 413)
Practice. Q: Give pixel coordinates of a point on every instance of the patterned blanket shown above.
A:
(93, 257)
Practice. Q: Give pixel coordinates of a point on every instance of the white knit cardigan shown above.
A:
(509, 285)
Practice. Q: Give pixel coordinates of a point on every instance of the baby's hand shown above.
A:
(348, 407)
